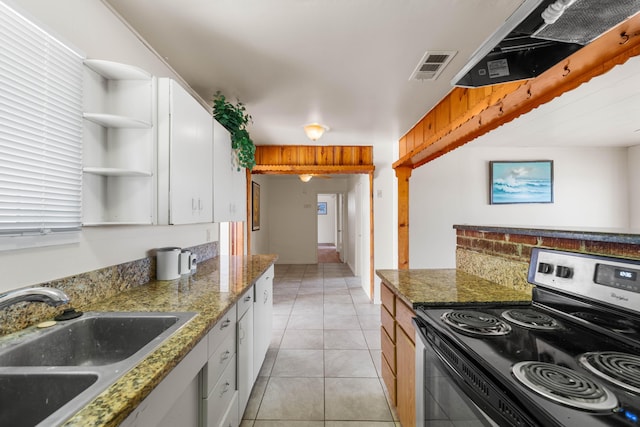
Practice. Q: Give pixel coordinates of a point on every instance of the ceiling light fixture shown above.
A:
(306, 177)
(315, 130)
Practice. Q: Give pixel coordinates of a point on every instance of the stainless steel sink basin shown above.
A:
(27, 399)
(48, 375)
(89, 341)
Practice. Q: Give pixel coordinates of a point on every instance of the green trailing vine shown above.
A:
(235, 119)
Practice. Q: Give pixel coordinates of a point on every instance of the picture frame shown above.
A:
(322, 208)
(255, 206)
(512, 182)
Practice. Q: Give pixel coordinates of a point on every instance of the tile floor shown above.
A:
(323, 365)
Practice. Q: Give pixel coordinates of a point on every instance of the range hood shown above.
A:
(538, 35)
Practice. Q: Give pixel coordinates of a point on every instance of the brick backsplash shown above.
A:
(503, 256)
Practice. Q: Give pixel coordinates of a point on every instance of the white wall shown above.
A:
(90, 27)
(634, 186)
(292, 216)
(590, 191)
(385, 207)
(327, 223)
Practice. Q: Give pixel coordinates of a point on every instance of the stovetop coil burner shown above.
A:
(621, 369)
(565, 386)
(530, 318)
(476, 323)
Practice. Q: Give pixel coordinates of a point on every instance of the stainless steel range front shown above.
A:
(570, 358)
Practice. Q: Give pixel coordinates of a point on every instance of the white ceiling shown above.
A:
(347, 63)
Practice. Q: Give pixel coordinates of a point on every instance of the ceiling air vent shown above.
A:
(432, 64)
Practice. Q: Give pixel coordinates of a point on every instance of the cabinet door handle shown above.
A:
(193, 204)
(225, 356)
(266, 296)
(247, 298)
(226, 323)
(199, 204)
(225, 389)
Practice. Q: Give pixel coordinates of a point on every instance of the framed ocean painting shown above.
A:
(521, 182)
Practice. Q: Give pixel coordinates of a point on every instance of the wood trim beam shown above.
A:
(311, 169)
(403, 174)
(466, 114)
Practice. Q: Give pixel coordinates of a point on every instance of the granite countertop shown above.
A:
(448, 287)
(217, 284)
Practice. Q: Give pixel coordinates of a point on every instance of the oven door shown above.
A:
(442, 395)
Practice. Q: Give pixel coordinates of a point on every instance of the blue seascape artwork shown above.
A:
(521, 182)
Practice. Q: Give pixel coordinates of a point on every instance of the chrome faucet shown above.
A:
(52, 296)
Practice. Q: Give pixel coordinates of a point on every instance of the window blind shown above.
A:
(40, 130)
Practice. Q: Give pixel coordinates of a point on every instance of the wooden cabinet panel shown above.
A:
(388, 299)
(406, 378)
(404, 314)
(388, 323)
(388, 350)
(389, 379)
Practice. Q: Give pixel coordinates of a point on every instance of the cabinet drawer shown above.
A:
(217, 402)
(404, 314)
(388, 350)
(218, 361)
(245, 301)
(388, 299)
(232, 417)
(388, 323)
(389, 381)
(224, 327)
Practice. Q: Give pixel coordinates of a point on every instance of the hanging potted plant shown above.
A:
(235, 119)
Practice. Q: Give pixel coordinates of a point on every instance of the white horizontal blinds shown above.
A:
(40, 130)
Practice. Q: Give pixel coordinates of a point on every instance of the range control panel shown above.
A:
(610, 280)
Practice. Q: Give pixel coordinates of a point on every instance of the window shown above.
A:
(40, 135)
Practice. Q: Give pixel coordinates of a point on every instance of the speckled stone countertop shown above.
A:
(217, 284)
(448, 287)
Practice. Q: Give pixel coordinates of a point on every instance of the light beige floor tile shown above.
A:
(367, 309)
(269, 360)
(276, 338)
(337, 321)
(293, 399)
(255, 398)
(246, 423)
(338, 299)
(359, 297)
(307, 339)
(346, 309)
(280, 321)
(376, 356)
(370, 322)
(349, 363)
(306, 321)
(281, 423)
(357, 399)
(359, 424)
(373, 338)
(344, 340)
(299, 363)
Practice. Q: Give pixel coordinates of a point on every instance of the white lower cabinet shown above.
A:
(219, 386)
(212, 384)
(262, 319)
(245, 351)
(176, 397)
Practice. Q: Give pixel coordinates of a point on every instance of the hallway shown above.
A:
(323, 366)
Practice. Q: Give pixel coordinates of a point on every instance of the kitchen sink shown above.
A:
(47, 375)
(27, 399)
(98, 339)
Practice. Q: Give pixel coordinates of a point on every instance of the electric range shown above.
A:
(570, 358)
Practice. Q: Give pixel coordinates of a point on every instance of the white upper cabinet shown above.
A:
(230, 182)
(119, 144)
(185, 157)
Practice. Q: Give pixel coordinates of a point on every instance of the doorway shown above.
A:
(329, 228)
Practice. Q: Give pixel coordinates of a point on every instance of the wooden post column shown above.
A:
(403, 174)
